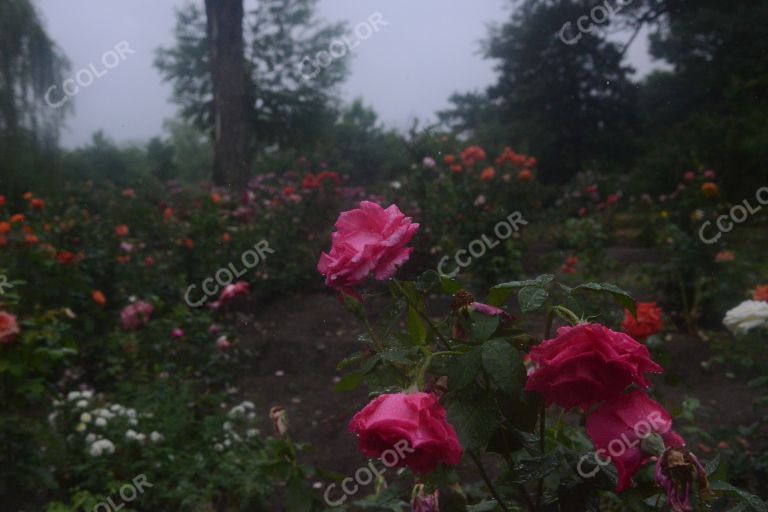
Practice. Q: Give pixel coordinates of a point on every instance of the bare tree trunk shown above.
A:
(232, 106)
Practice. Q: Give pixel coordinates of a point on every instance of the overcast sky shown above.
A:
(427, 51)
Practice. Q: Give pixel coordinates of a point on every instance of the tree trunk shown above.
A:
(232, 106)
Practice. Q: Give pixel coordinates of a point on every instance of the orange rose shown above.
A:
(189, 243)
(27, 196)
(98, 297)
(710, 189)
(121, 230)
(761, 293)
(31, 239)
(449, 159)
(17, 218)
(226, 238)
(168, 213)
(215, 198)
(524, 176)
(5, 227)
(456, 169)
(37, 204)
(488, 174)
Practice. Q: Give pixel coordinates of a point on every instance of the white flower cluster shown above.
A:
(242, 414)
(746, 316)
(98, 419)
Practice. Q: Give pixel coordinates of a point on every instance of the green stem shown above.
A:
(422, 314)
(487, 481)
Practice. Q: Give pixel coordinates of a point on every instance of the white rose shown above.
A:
(102, 446)
(747, 315)
(100, 422)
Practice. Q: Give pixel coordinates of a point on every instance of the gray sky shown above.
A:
(428, 50)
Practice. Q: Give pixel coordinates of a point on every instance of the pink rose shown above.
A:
(618, 426)
(367, 240)
(587, 363)
(135, 315)
(177, 333)
(9, 329)
(407, 430)
(230, 293)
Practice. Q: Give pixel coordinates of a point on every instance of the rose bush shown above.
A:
(497, 382)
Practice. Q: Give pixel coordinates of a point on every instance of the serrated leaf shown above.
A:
(504, 364)
(754, 502)
(463, 369)
(483, 326)
(416, 327)
(531, 298)
(475, 419)
(621, 297)
(533, 469)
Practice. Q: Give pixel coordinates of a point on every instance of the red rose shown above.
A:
(367, 240)
(9, 329)
(587, 363)
(407, 430)
(646, 323)
(618, 426)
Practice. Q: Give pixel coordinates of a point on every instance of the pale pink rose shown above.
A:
(135, 315)
(368, 240)
(223, 343)
(9, 329)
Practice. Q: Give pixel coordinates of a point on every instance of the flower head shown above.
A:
(618, 427)
(588, 363)
(407, 430)
(645, 323)
(368, 240)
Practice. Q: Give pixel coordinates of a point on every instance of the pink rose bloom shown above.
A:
(177, 333)
(230, 293)
(407, 430)
(588, 363)
(9, 329)
(214, 329)
(135, 315)
(689, 176)
(618, 426)
(367, 240)
(709, 174)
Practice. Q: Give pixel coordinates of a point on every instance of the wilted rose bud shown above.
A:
(423, 502)
(279, 420)
(678, 472)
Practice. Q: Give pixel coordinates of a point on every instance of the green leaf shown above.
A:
(298, 495)
(449, 285)
(349, 382)
(621, 297)
(505, 366)
(712, 465)
(483, 326)
(474, 417)
(750, 499)
(463, 369)
(535, 468)
(416, 327)
(531, 298)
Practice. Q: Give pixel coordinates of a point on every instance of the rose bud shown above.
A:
(279, 420)
(423, 502)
